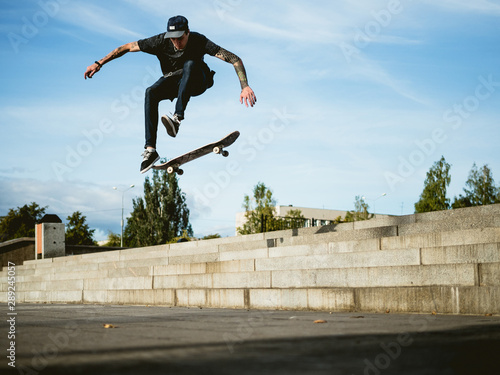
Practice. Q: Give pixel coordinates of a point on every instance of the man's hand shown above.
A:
(247, 97)
(117, 52)
(91, 70)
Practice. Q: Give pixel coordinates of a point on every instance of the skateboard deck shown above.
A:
(217, 147)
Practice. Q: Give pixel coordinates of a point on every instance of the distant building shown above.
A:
(315, 217)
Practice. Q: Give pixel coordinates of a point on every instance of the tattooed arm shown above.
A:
(247, 95)
(117, 52)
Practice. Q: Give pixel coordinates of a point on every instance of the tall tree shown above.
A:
(161, 215)
(433, 197)
(261, 205)
(480, 189)
(78, 231)
(21, 222)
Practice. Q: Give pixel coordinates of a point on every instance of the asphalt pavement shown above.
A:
(96, 339)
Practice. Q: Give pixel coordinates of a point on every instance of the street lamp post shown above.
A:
(374, 202)
(123, 194)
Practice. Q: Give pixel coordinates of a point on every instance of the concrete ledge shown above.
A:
(461, 274)
(406, 257)
(477, 253)
(180, 269)
(183, 281)
(191, 248)
(243, 265)
(489, 274)
(139, 282)
(298, 250)
(133, 263)
(215, 298)
(477, 213)
(372, 244)
(242, 280)
(244, 254)
(144, 253)
(439, 239)
(50, 296)
(50, 285)
(353, 235)
(200, 258)
(131, 297)
(438, 299)
(302, 299)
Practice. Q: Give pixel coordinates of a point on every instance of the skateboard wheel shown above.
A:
(170, 170)
(180, 172)
(225, 153)
(217, 150)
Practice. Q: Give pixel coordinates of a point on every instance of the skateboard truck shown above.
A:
(175, 169)
(220, 150)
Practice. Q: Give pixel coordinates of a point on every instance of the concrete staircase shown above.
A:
(443, 262)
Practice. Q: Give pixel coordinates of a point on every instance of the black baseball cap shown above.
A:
(176, 27)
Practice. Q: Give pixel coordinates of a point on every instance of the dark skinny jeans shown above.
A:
(193, 81)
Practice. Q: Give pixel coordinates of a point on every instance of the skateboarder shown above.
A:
(185, 74)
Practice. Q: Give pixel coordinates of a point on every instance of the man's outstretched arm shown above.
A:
(117, 52)
(247, 95)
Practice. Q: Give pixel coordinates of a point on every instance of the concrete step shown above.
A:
(447, 299)
(475, 253)
(342, 238)
(438, 239)
(487, 274)
(341, 260)
(476, 246)
(454, 274)
(478, 253)
(465, 218)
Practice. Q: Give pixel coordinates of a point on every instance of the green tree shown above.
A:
(211, 236)
(183, 238)
(293, 219)
(360, 211)
(480, 189)
(113, 240)
(433, 197)
(261, 205)
(161, 215)
(77, 231)
(21, 222)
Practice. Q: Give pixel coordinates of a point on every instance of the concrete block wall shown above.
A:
(443, 262)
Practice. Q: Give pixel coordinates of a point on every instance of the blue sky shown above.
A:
(354, 98)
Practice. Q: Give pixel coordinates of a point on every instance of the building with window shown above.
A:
(314, 216)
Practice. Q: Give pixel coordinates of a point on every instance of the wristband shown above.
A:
(98, 63)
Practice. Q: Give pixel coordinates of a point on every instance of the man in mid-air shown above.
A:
(185, 74)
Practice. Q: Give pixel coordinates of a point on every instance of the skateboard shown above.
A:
(216, 147)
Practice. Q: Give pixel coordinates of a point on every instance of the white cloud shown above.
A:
(98, 19)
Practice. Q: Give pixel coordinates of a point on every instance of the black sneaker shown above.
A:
(172, 124)
(150, 157)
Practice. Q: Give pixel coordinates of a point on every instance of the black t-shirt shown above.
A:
(171, 59)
